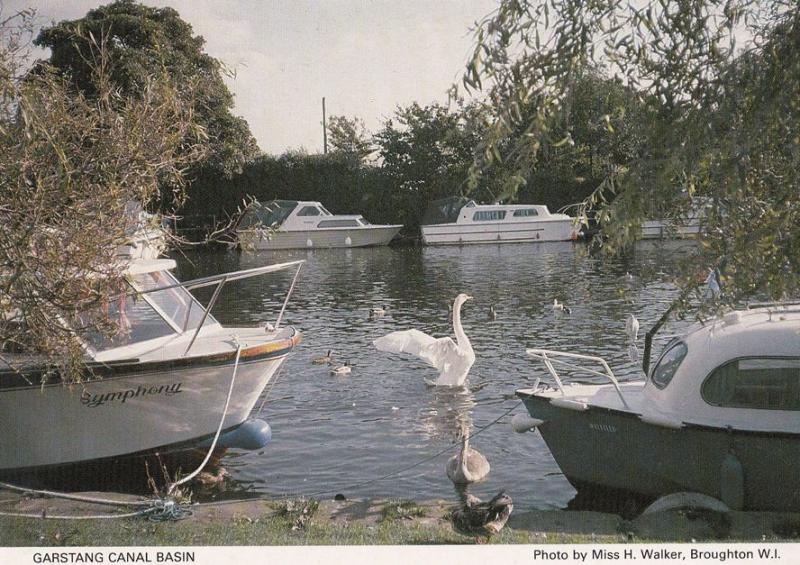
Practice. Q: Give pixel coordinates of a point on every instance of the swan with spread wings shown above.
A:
(453, 359)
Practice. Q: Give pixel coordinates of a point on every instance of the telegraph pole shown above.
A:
(324, 130)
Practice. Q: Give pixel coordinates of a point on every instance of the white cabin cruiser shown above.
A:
(159, 384)
(293, 224)
(719, 414)
(458, 221)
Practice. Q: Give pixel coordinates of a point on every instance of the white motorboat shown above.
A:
(688, 226)
(146, 233)
(292, 224)
(159, 384)
(458, 221)
(719, 415)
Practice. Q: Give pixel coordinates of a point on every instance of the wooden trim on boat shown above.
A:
(40, 377)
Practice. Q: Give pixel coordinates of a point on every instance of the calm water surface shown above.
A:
(333, 434)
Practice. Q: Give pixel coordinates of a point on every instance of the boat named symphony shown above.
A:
(159, 383)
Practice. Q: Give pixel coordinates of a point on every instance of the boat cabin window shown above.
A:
(176, 303)
(761, 383)
(130, 319)
(488, 215)
(668, 364)
(324, 210)
(309, 211)
(338, 224)
(525, 212)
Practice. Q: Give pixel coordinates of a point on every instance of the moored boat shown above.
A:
(160, 383)
(686, 226)
(458, 221)
(292, 224)
(719, 415)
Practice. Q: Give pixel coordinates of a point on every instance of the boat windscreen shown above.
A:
(444, 211)
(267, 214)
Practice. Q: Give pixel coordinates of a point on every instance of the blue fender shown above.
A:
(250, 435)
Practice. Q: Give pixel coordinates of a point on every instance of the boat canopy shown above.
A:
(444, 211)
(267, 214)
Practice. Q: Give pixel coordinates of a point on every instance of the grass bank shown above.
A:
(371, 522)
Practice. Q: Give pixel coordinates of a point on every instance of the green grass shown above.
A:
(268, 529)
(401, 510)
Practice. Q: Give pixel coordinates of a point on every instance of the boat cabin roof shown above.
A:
(275, 212)
(449, 210)
(744, 365)
(149, 266)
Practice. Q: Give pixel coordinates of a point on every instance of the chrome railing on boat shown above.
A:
(549, 357)
(221, 280)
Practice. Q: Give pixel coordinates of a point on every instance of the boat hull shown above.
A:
(128, 413)
(498, 232)
(617, 450)
(368, 236)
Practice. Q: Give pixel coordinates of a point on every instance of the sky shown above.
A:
(366, 57)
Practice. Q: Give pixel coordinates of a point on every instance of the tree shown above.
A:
(722, 119)
(560, 176)
(143, 41)
(426, 153)
(70, 165)
(350, 138)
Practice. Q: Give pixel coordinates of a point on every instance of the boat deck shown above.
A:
(593, 395)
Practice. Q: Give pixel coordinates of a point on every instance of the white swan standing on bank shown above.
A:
(453, 359)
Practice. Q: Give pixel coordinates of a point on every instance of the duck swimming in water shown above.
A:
(327, 358)
(377, 312)
(342, 369)
(560, 307)
(476, 518)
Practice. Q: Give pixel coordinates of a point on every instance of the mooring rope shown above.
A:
(194, 473)
(45, 516)
(79, 498)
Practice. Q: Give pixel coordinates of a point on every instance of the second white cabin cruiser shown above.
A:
(457, 221)
(293, 224)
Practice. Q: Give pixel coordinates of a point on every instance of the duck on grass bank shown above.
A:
(482, 519)
(453, 359)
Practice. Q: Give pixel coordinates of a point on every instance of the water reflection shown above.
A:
(446, 413)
